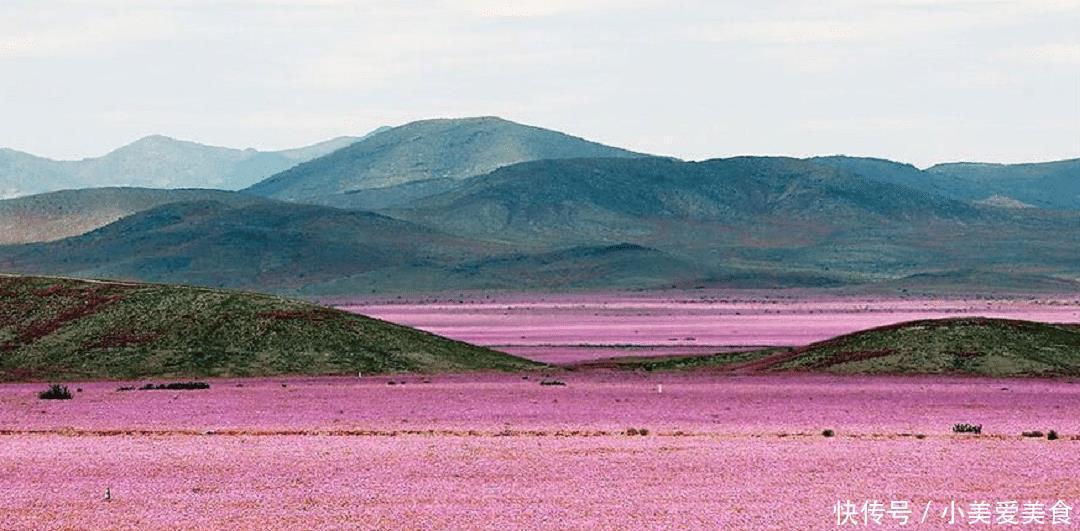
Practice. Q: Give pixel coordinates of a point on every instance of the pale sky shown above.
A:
(914, 80)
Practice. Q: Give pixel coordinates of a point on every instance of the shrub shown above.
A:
(1032, 433)
(552, 382)
(55, 392)
(1051, 435)
(828, 433)
(920, 436)
(175, 386)
(967, 428)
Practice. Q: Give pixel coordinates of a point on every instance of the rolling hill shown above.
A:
(265, 246)
(749, 215)
(62, 329)
(965, 345)
(554, 199)
(1050, 185)
(154, 162)
(1054, 185)
(57, 215)
(969, 346)
(624, 266)
(444, 149)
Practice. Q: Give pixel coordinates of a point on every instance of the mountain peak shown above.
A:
(441, 148)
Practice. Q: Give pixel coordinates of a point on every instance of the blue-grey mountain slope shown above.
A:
(1048, 185)
(57, 215)
(444, 149)
(154, 162)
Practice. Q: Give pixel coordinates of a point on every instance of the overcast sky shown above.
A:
(915, 80)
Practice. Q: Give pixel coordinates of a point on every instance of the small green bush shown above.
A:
(55, 392)
(967, 428)
(1052, 435)
(1035, 433)
(175, 386)
(828, 433)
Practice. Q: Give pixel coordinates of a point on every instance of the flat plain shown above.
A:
(556, 447)
(572, 328)
(609, 449)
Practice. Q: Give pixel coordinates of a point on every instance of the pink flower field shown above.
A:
(569, 328)
(496, 451)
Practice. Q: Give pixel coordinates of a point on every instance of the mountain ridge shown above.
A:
(443, 148)
(154, 161)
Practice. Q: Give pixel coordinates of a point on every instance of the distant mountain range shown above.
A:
(484, 203)
(268, 245)
(58, 215)
(589, 200)
(155, 162)
(1052, 185)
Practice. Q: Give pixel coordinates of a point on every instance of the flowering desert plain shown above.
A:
(579, 443)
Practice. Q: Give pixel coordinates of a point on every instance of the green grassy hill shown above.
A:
(61, 329)
(967, 345)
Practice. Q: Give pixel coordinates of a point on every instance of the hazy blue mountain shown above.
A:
(306, 153)
(1047, 184)
(267, 246)
(883, 170)
(422, 151)
(747, 215)
(1052, 185)
(154, 162)
(614, 199)
(23, 173)
(573, 224)
(57, 215)
(578, 223)
(389, 196)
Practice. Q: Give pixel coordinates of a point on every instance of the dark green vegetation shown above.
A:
(55, 392)
(967, 428)
(973, 346)
(175, 386)
(421, 151)
(58, 329)
(155, 161)
(57, 215)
